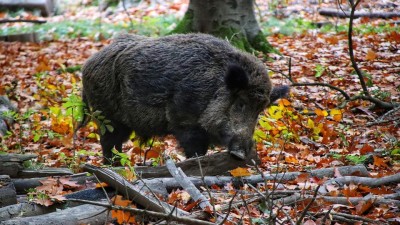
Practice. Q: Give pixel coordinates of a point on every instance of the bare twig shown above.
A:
(305, 210)
(229, 209)
(184, 181)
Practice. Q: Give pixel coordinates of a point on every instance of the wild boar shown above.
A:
(196, 87)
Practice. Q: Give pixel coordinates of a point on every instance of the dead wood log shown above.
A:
(170, 183)
(25, 37)
(367, 181)
(11, 164)
(8, 196)
(146, 213)
(45, 172)
(46, 7)
(346, 14)
(24, 210)
(142, 196)
(215, 164)
(83, 214)
(355, 200)
(22, 21)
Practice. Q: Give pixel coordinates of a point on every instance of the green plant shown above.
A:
(319, 70)
(356, 159)
(103, 123)
(23, 121)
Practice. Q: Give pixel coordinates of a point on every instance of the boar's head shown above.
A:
(232, 115)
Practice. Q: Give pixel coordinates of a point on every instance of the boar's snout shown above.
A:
(240, 146)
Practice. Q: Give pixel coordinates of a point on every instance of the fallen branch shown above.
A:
(132, 192)
(385, 117)
(367, 181)
(22, 21)
(8, 196)
(24, 210)
(215, 164)
(141, 212)
(346, 14)
(186, 184)
(170, 183)
(84, 214)
(355, 200)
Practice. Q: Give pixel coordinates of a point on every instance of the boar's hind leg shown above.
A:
(194, 141)
(109, 140)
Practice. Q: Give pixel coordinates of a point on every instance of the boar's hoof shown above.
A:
(239, 154)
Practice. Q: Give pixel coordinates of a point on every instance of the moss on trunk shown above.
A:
(235, 37)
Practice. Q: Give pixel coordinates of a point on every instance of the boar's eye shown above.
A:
(241, 105)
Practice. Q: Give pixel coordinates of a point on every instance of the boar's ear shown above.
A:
(236, 78)
(278, 92)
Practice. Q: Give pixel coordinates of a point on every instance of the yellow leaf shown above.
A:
(318, 129)
(240, 172)
(51, 87)
(336, 114)
(275, 112)
(310, 123)
(265, 124)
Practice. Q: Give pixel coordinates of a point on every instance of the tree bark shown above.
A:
(233, 20)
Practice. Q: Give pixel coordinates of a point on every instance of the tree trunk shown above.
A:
(233, 20)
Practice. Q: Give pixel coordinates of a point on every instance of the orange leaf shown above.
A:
(122, 216)
(379, 162)
(291, 159)
(190, 206)
(371, 55)
(332, 40)
(240, 172)
(102, 184)
(320, 112)
(284, 102)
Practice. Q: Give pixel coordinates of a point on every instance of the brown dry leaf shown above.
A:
(351, 191)
(366, 149)
(46, 202)
(363, 206)
(302, 178)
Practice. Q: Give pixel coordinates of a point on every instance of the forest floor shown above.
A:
(311, 129)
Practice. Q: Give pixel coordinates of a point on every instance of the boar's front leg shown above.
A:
(193, 140)
(109, 140)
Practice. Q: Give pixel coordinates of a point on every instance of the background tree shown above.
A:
(233, 20)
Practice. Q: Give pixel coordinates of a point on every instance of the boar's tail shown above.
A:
(85, 111)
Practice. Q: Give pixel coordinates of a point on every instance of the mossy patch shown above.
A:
(185, 25)
(261, 44)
